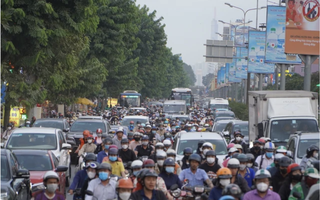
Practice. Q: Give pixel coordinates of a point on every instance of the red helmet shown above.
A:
(262, 141)
(99, 130)
(148, 163)
(90, 136)
(131, 122)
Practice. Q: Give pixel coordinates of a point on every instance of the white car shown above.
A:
(126, 120)
(37, 138)
(191, 139)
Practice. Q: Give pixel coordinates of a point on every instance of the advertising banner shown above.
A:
(302, 27)
(219, 77)
(241, 64)
(223, 75)
(256, 64)
(227, 71)
(276, 26)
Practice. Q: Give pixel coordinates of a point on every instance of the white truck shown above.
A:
(277, 114)
(171, 107)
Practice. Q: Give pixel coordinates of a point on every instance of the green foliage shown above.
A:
(241, 110)
(206, 80)
(191, 76)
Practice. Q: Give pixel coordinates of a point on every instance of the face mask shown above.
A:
(269, 154)
(52, 187)
(106, 147)
(144, 143)
(135, 173)
(9, 128)
(242, 166)
(154, 132)
(113, 158)
(160, 162)
(238, 138)
(170, 169)
(224, 182)
(249, 165)
(256, 148)
(316, 155)
(125, 195)
(99, 135)
(205, 151)
(283, 171)
(136, 139)
(262, 187)
(124, 146)
(297, 177)
(91, 175)
(103, 176)
(210, 160)
(89, 141)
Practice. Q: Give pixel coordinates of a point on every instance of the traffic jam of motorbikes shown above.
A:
(165, 149)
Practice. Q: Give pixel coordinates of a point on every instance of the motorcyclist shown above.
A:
(91, 169)
(118, 137)
(98, 140)
(207, 146)
(137, 127)
(105, 148)
(238, 140)
(311, 156)
(278, 178)
(167, 173)
(282, 149)
(7, 132)
(245, 172)
(251, 162)
(124, 189)
(102, 187)
(136, 166)
(161, 130)
(223, 179)
(115, 162)
(172, 154)
(155, 135)
(267, 158)
(185, 160)
(161, 156)
(210, 166)
(131, 126)
(234, 165)
(188, 128)
(167, 144)
(130, 136)
(256, 150)
(273, 168)
(294, 176)
(195, 175)
(82, 175)
(133, 144)
(145, 149)
(126, 154)
(51, 182)
(83, 140)
(158, 146)
(88, 147)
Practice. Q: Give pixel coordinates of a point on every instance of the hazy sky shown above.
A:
(188, 22)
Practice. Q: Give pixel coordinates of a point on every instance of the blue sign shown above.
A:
(223, 75)
(276, 21)
(227, 71)
(256, 56)
(241, 63)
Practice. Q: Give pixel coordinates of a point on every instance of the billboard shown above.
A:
(222, 75)
(302, 27)
(276, 20)
(241, 63)
(227, 71)
(256, 56)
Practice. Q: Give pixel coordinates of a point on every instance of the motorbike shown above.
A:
(198, 192)
(81, 163)
(127, 167)
(77, 194)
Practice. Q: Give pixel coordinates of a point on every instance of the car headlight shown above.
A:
(4, 196)
(38, 186)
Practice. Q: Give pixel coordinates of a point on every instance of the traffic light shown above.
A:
(11, 67)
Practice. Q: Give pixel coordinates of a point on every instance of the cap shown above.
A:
(293, 167)
(312, 172)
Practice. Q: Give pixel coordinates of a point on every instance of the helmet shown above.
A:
(230, 146)
(136, 134)
(131, 122)
(50, 174)
(107, 140)
(171, 152)
(235, 155)
(125, 183)
(148, 163)
(233, 163)
(195, 157)
(188, 125)
(136, 164)
(169, 162)
(113, 151)
(269, 146)
(145, 137)
(159, 144)
(154, 128)
(167, 135)
(138, 122)
(119, 130)
(233, 149)
(250, 157)
(86, 132)
(148, 126)
(293, 167)
(104, 135)
(211, 153)
(187, 150)
(224, 173)
(105, 166)
(113, 146)
(130, 134)
(227, 197)
(312, 172)
(238, 146)
(284, 161)
(207, 144)
(242, 157)
(236, 132)
(261, 140)
(262, 173)
(167, 143)
(93, 165)
(233, 190)
(124, 140)
(278, 156)
(90, 157)
(99, 131)
(148, 173)
(311, 149)
(161, 154)
(281, 149)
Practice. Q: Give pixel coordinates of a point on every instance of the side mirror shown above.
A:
(61, 169)
(23, 173)
(111, 132)
(66, 130)
(66, 146)
(89, 193)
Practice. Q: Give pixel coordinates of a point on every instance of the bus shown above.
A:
(219, 103)
(182, 94)
(130, 98)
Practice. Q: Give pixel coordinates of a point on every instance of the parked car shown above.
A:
(191, 139)
(235, 125)
(37, 138)
(299, 142)
(38, 162)
(59, 123)
(79, 126)
(15, 180)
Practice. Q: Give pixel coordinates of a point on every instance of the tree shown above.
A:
(189, 71)
(206, 80)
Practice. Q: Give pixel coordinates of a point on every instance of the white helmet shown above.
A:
(262, 173)
(233, 163)
(171, 152)
(136, 164)
(278, 156)
(50, 174)
(269, 146)
(207, 144)
(238, 146)
(161, 154)
(167, 143)
(159, 144)
(233, 149)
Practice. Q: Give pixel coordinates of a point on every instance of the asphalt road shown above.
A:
(70, 197)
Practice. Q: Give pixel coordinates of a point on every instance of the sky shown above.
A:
(188, 22)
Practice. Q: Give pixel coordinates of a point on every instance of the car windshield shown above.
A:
(219, 126)
(224, 114)
(126, 121)
(282, 129)
(223, 118)
(32, 141)
(5, 173)
(215, 106)
(43, 162)
(304, 144)
(173, 108)
(49, 124)
(218, 145)
(244, 128)
(80, 126)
